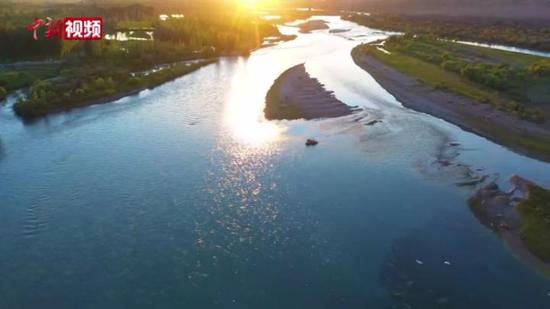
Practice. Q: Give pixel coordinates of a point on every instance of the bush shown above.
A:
(100, 83)
(134, 81)
(79, 92)
(3, 93)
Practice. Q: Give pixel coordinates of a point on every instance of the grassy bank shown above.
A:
(513, 86)
(512, 82)
(48, 96)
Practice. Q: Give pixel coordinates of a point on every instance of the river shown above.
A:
(184, 196)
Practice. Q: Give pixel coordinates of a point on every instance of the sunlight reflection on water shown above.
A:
(244, 107)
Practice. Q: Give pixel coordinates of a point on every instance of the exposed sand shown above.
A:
(479, 118)
(295, 95)
(314, 24)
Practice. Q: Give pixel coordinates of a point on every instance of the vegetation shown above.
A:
(217, 32)
(47, 96)
(15, 77)
(528, 34)
(535, 221)
(3, 93)
(508, 81)
(226, 34)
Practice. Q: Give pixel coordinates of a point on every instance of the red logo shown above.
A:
(71, 28)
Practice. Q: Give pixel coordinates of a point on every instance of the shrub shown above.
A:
(3, 93)
(134, 81)
(100, 83)
(79, 92)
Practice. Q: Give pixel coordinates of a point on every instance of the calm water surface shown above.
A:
(185, 197)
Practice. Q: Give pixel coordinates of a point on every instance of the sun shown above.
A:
(256, 4)
(248, 3)
(252, 4)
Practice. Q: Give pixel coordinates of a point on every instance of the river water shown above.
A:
(184, 196)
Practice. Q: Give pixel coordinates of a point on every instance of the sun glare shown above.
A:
(254, 4)
(244, 108)
(250, 4)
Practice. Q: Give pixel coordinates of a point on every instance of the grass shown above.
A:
(535, 221)
(433, 75)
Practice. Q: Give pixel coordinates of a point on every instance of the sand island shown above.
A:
(295, 94)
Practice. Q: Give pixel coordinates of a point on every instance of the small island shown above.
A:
(523, 222)
(295, 95)
(311, 25)
(497, 94)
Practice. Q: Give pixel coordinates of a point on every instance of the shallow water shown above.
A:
(185, 196)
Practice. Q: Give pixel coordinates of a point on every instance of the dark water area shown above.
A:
(184, 196)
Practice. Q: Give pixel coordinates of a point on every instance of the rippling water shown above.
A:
(186, 196)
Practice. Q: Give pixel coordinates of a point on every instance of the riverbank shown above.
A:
(295, 95)
(419, 93)
(46, 97)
